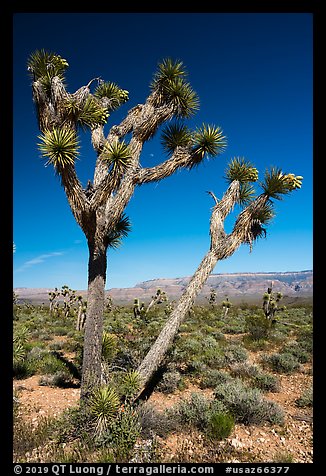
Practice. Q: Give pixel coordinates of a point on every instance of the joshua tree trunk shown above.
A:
(170, 330)
(91, 374)
(222, 246)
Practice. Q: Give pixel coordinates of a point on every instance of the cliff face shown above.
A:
(241, 286)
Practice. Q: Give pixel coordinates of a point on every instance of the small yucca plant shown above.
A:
(60, 146)
(130, 384)
(103, 406)
(109, 346)
(19, 352)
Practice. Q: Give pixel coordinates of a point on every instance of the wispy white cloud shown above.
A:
(38, 260)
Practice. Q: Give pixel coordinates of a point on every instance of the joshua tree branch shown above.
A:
(182, 157)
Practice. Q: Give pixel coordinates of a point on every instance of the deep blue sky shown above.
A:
(253, 75)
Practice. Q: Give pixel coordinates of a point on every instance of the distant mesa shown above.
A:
(239, 286)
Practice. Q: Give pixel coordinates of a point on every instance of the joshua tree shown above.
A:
(52, 299)
(212, 297)
(271, 302)
(158, 298)
(81, 314)
(248, 227)
(99, 207)
(226, 304)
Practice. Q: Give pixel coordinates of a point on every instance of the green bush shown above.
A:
(244, 370)
(209, 416)
(298, 351)
(154, 421)
(213, 377)
(266, 382)
(306, 399)
(59, 379)
(50, 365)
(122, 434)
(220, 425)
(281, 362)
(247, 404)
(170, 382)
(258, 326)
(234, 353)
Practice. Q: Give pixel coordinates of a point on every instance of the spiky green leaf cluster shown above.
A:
(242, 170)
(276, 183)
(103, 406)
(171, 87)
(208, 140)
(109, 346)
(111, 91)
(44, 66)
(130, 383)
(246, 194)
(87, 113)
(120, 231)
(175, 135)
(118, 156)
(60, 146)
(260, 217)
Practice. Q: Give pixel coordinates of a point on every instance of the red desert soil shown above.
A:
(261, 443)
(264, 443)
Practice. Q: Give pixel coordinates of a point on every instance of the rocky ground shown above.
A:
(265, 443)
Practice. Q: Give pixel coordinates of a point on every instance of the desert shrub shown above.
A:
(234, 353)
(213, 377)
(154, 421)
(283, 457)
(247, 404)
(306, 398)
(75, 423)
(56, 345)
(209, 416)
(244, 369)
(305, 338)
(255, 377)
(170, 382)
(220, 425)
(122, 434)
(213, 357)
(60, 331)
(196, 410)
(59, 379)
(266, 382)
(27, 436)
(281, 362)
(258, 326)
(254, 344)
(49, 364)
(297, 350)
(234, 325)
